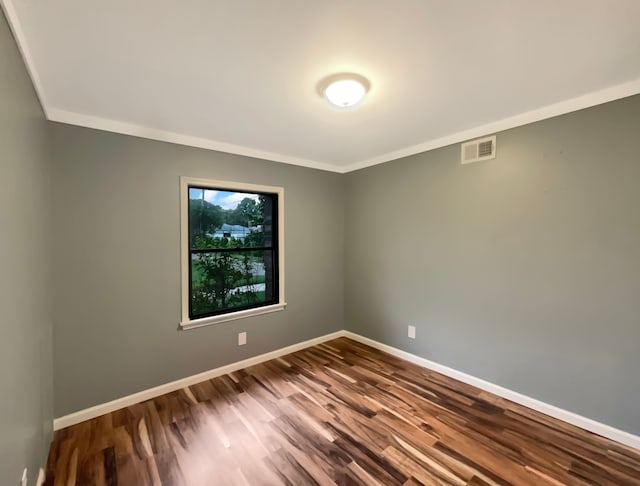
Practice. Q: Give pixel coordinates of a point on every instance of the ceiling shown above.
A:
(242, 76)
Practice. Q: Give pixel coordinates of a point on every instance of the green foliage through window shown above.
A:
(233, 251)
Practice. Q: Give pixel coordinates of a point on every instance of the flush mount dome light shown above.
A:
(344, 90)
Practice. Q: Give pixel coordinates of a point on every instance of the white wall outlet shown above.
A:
(24, 479)
(242, 338)
(412, 332)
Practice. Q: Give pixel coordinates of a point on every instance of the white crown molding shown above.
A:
(585, 423)
(561, 108)
(588, 100)
(21, 40)
(124, 128)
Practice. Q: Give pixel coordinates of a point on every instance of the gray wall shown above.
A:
(25, 346)
(117, 264)
(523, 270)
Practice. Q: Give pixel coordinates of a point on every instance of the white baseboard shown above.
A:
(103, 408)
(585, 423)
(41, 477)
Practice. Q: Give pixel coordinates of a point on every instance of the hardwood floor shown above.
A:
(337, 413)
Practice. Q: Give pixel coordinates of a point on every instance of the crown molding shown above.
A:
(588, 100)
(556, 109)
(124, 128)
(561, 108)
(18, 33)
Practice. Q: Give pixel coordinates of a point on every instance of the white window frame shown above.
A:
(185, 182)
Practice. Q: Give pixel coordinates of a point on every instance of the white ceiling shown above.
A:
(241, 76)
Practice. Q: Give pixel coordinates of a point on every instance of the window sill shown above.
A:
(232, 316)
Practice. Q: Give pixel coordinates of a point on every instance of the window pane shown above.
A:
(226, 219)
(223, 281)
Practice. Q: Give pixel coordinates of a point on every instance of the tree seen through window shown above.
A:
(233, 257)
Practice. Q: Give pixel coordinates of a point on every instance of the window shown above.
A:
(232, 258)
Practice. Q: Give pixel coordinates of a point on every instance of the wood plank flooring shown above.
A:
(337, 413)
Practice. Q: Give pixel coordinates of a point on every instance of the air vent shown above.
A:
(480, 149)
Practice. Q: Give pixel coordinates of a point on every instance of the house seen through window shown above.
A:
(232, 250)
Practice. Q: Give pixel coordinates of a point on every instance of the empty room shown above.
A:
(320, 243)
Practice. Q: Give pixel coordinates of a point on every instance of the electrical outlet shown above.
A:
(412, 332)
(242, 338)
(24, 480)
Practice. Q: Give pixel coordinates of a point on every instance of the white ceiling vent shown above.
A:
(479, 149)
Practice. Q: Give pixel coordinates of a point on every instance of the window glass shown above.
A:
(232, 251)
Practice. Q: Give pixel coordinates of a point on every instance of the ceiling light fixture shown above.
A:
(344, 90)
